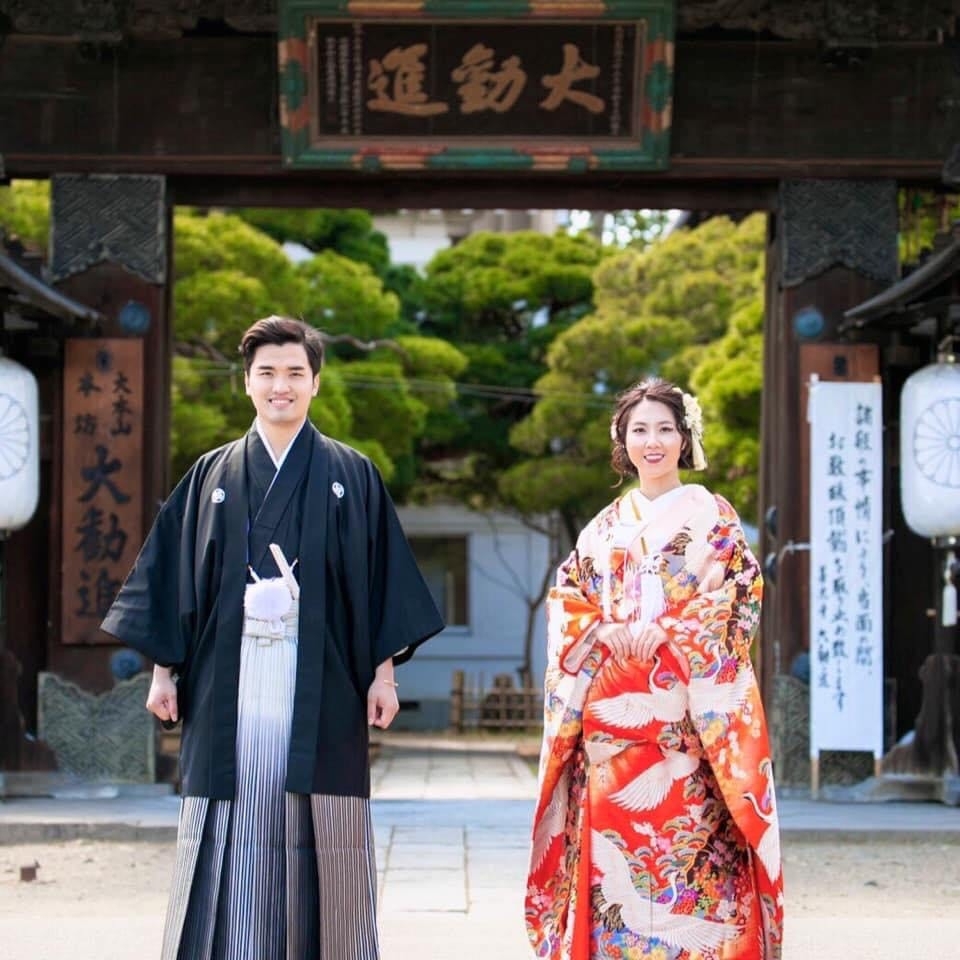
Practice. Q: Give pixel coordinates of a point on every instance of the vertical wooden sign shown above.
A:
(846, 568)
(102, 479)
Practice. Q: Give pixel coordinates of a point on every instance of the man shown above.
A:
(275, 593)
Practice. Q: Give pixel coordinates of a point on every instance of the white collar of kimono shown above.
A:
(637, 507)
(656, 519)
(277, 460)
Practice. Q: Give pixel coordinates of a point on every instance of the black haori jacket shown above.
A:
(362, 601)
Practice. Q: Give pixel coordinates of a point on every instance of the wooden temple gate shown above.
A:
(813, 112)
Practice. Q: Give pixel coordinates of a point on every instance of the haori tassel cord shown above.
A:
(948, 608)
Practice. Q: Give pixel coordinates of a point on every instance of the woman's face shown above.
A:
(653, 442)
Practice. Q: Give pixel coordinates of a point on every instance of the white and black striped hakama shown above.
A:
(271, 875)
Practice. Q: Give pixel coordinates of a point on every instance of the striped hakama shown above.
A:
(271, 875)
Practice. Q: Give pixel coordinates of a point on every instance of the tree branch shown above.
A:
(365, 345)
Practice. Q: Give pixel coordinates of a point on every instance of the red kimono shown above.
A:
(656, 829)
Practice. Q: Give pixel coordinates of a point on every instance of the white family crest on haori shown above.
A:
(218, 495)
(337, 488)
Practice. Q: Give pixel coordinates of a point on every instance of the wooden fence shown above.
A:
(500, 707)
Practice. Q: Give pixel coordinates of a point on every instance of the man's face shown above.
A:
(280, 383)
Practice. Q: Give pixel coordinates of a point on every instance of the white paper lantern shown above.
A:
(930, 450)
(19, 445)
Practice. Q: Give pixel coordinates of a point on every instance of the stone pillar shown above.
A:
(833, 244)
(110, 248)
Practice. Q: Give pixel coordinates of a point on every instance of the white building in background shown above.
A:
(416, 235)
(481, 568)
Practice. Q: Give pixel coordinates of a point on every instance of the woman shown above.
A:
(656, 829)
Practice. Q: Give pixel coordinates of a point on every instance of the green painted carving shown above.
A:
(293, 82)
(484, 159)
(659, 86)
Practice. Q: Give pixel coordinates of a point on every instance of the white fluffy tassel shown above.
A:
(949, 616)
(948, 606)
(268, 600)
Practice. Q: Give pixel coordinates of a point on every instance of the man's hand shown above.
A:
(382, 703)
(162, 697)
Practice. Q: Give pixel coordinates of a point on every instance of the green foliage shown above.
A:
(386, 409)
(227, 275)
(216, 306)
(688, 308)
(922, 216)
(347, 232)
(208, 408)
(374, 450)
(331, 410)
(574, 485)
(728, 381)
(25, 213)
(343, 296)
(512, 311)
(501, 299)
(410, 289)
(351, 234)
(488, 286)
(432, 357)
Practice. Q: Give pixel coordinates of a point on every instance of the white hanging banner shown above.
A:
(846, 567)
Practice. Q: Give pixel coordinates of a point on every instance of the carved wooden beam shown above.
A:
(744, 111)
(846, 22)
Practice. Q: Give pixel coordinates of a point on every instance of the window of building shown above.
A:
(443, 563)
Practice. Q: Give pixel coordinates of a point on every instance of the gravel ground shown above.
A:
(85, 889)
(916, 878)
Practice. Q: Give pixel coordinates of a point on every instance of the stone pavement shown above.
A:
(452, 825)
(453, 830)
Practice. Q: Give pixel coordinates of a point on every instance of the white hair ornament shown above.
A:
(693, 421)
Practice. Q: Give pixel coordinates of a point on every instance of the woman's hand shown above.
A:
(621, 642)
(650, 638)
(616, 637)
(162, 696)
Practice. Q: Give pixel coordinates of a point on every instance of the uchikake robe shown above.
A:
(362, 601)
(656, 830)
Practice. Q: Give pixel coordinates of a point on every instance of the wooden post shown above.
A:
(456, 701)
(833, 245)
(110, 245)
